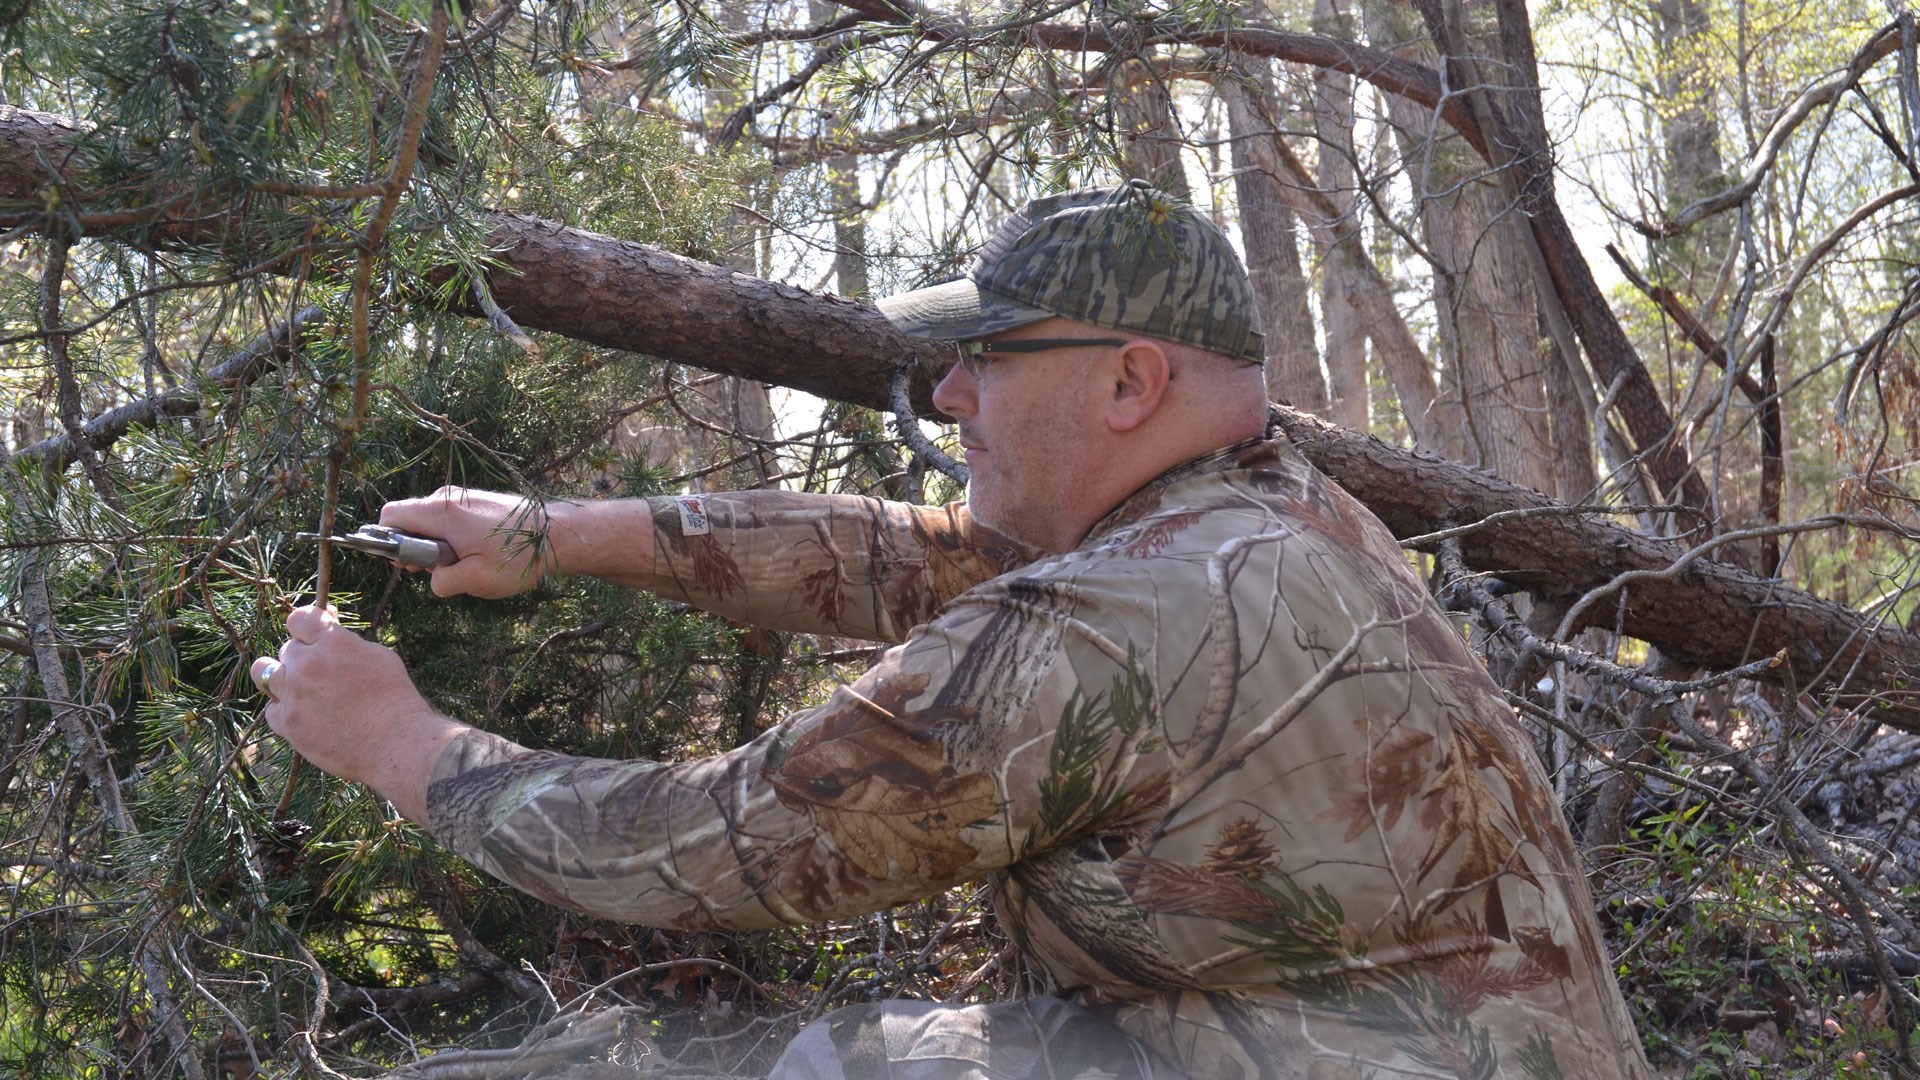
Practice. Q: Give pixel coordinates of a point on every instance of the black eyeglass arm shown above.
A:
(1032, 345)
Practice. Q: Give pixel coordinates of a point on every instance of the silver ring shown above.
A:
(264, 680)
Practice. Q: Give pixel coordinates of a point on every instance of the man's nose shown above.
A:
(956, 394)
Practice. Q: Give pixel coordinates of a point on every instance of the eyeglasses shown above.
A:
(975, 356)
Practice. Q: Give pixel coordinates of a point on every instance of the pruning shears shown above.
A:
(422, 552)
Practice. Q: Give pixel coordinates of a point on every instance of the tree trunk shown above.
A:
(739, 406)
(1268, 233)
(1493, 400)
(1749, 473)
(1521, 145)
(843, 183)
(849, 227)
(1690, 141)
(1333, 117)
(1147, 130)
(1367, 293)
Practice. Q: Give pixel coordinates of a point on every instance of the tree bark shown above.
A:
(1333, 124)
(629, 296)
(740, 406)
(1267, 231)
(1493, 401)
(1366, 291)
(1146, 129)
(1690, 139)
(1518, 141)
(1570, 412)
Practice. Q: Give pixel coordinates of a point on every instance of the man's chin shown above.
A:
(981, 509)
(984, 512)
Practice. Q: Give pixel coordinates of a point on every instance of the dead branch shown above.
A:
(503, 323)
(1676, 309)
(381, 1003)
(1859, 901)
(237, 371)
(53, 280)
(908, 427)
(567, 1039)
(1510, 626)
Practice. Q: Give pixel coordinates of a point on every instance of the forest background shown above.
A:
(1604, 308)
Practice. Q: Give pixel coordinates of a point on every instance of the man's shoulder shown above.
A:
(1262, 487)
(1230, 501)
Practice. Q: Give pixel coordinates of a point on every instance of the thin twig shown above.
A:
(52, 281)
(1501, 618)
(1882, 43)
(1699, 551)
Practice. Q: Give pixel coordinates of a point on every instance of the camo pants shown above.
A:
(1039, 1038)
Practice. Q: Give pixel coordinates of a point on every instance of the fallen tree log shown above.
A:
(646, 300)
(1709, 615)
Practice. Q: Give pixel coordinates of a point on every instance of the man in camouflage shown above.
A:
(1244, 797)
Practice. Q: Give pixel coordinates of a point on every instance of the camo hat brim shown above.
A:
(957, 311)
(1129, 258)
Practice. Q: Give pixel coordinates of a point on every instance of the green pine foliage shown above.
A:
(228, 177)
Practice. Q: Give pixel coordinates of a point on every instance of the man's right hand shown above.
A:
(507, 543)
(503, 540)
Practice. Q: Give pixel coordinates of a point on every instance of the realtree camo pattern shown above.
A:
(1239, 785)
(1128, 258)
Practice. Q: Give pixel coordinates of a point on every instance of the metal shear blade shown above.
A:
(424, 552)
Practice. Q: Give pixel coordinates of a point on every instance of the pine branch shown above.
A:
(53, 281)
(88, 747)
(236, 372)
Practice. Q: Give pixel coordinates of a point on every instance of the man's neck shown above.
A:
(1200, 463)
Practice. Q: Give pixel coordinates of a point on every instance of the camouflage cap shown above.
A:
(1128, 258)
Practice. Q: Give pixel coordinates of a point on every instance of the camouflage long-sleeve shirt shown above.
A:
(1239, 784)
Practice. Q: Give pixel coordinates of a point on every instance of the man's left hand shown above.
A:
(347, 705)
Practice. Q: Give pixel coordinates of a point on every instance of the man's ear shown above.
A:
(1140, 371)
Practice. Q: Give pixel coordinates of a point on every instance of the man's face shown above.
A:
(1023, 423)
